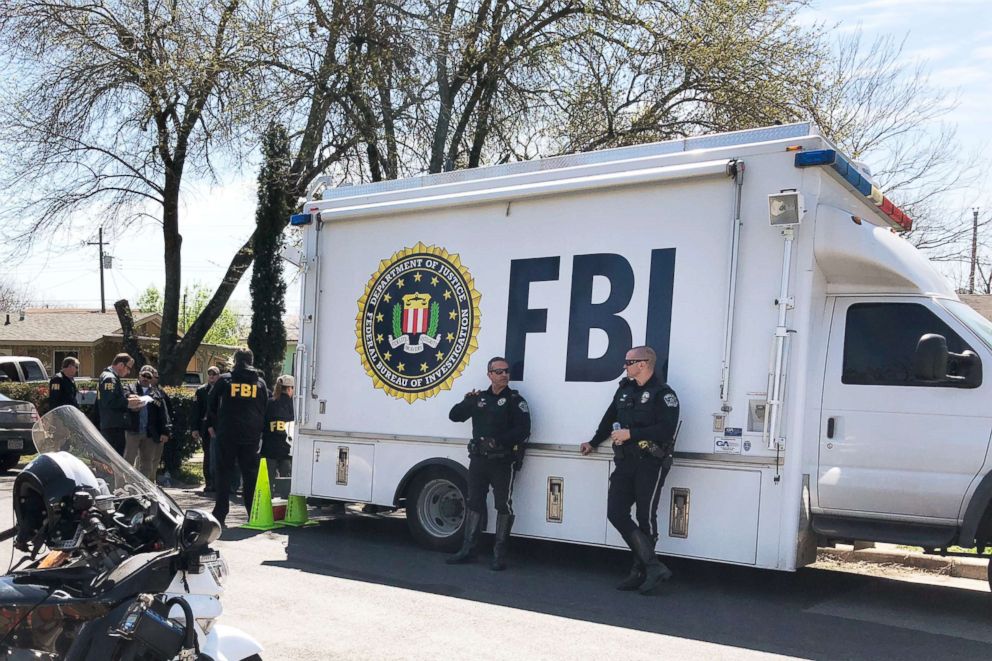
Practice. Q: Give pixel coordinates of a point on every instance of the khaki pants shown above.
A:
(143, 453)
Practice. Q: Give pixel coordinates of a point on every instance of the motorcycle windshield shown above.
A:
(66, 429)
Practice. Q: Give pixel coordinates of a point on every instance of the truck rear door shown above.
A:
(889, 443)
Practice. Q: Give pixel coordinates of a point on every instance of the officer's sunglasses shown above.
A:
(499, 372)
(628, 363)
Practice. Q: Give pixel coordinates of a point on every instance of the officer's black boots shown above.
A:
(466, 553)
(636, 575)
(654, 571)
(504, 523)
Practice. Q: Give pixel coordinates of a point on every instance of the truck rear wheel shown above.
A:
(435, 508)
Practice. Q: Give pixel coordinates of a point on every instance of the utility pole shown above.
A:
(974, 249)
(99, 242)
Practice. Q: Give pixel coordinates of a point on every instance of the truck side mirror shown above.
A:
(967, 368)
(933, 362)
(930, 359)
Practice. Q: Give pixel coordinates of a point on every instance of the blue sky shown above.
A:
(953, 37)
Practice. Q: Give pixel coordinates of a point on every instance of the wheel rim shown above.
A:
(440, 508)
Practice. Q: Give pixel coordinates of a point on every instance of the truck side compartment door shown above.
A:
(343, 470)
(891, 443)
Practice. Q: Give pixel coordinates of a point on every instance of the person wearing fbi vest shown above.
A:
(275, 440)
(641, 422)
(62, 387)
(500, 427)
(112, 401)
(237, 409)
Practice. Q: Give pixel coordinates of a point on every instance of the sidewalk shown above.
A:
(892, 554)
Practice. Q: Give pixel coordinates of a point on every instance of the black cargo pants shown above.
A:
(483, 472)
(636, 480)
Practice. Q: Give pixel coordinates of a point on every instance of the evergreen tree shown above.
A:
(267, 338)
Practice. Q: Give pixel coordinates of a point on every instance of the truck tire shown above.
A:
(9, 461)
(435, 508)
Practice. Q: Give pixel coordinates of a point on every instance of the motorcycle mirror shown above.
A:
(199, 529)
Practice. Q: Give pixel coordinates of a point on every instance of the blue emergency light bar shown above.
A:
(300, 219)
(850, 175)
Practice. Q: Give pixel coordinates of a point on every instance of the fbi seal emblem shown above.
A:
(417, 323)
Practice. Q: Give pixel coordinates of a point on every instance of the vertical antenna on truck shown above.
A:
(785, 210)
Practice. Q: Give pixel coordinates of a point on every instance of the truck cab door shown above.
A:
(892, 443)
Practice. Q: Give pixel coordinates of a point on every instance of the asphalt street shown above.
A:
(357, 587)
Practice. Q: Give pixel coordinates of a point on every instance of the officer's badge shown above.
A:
(645, 396)
(482, 403)
(671, 400)
(502, 400)
(417, 322)
(523, 406)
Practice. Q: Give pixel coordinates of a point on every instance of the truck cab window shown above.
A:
(880, 342)
(32, 371)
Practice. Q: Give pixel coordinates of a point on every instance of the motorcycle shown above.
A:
(111, 566)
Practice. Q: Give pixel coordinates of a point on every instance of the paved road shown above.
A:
(356, 587)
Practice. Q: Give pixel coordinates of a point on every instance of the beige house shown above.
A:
(94, 337)
(982, 303)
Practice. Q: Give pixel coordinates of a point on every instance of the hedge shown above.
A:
(182, 406)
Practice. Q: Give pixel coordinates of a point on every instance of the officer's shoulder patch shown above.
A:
(671, 400)
(55, 385)
(523, 405)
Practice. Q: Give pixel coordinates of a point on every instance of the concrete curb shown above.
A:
(973, 568)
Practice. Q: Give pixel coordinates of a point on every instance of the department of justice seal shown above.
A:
(417, 322)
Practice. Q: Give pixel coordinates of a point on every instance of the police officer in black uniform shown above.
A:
(641, 422)
(500, 426)
(112, 401)
(62, 386)
(237, 408)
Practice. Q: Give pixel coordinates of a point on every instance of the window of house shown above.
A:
(880, 343)
(59, 356)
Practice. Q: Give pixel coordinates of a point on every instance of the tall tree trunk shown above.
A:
(171, 366)
(131, 344)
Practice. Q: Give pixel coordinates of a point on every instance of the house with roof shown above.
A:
(94, 337)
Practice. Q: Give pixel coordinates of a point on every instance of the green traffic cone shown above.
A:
(296, 513)
(261, 504)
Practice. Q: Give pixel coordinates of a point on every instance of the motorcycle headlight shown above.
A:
(217, 567)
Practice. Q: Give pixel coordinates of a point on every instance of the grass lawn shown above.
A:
(190, 473)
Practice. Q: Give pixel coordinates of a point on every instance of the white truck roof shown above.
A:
(623, 165)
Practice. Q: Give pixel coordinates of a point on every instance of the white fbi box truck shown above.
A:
(831, 382)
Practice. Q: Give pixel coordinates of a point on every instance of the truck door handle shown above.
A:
(830, 427)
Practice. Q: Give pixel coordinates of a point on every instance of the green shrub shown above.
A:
(182, 407)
